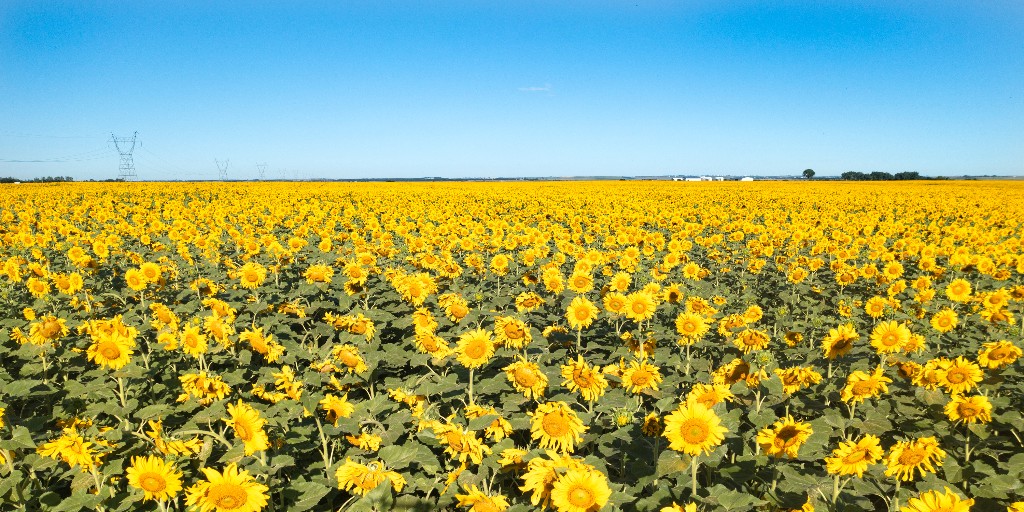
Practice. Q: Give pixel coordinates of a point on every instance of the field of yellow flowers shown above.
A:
(640, 346)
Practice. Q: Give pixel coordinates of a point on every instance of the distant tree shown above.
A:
(909, 175)
(808, 173)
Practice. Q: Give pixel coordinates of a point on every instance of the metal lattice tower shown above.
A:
(125, 146)
(222, 169)
(262, 169)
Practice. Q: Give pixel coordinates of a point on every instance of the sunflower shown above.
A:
(997, 354)
(581, 313)
(360, 479)
(875, 306)
(691, 328)
(318, 274)
(854, 457)
(959, 376)
(71, 448)
(889, 337)
(615, 303)
(263, 344)
(839, 341)
(526, 377)
(651, 425)
(475, 348)
(640, 306)
(584, 378)
(248, 427)
(49, 328)
(542, 473)
(349, 356)
(694, 428)
(111, 351)
(479, 501)
(556, 426)
(528, 301)
(135, 279)
(710, 394)
(933, 501)
(797, 377)
(906, 457)
(512, 332)
(675, 507)
(580, 491)
(233, 490)
(750, 340)
(784, 437)
(336, 407)
(150, 272)
(193, 342)
(430, 343)
(861, 385)
(969, 409)
(155, 477)
(620, 282)
(460, 443)
(959, 290)
(581, 282)
(945, 320)
(641, 376)
(251, 275)
(499, 428)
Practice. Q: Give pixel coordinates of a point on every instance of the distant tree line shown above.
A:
(884, 176)
(45, 179)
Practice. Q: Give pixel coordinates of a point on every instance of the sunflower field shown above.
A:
(637, 346)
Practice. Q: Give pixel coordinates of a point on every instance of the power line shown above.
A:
(222, 168)
(125, 146)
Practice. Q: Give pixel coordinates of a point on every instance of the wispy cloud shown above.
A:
(536, 88)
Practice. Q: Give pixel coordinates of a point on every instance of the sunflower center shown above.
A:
(476, 350)
(581, 497)
(862, 388)
(110, 350)
(555, 425)
(639, 307)
(855, 456)
(459, 311)
(968, 410)
(359, 328)
(694, 431)
(227, 496)
(152, 482)
(50, 328)
(911, 457)
(582, 314)
(582, 378)
(890, 339)
(956, 376)
(525, 377)
(349, 359)
(787, 436)
(242, 431)
(641, 377)
(689, 327)
(998, 354)
(485, 506)
(513, 332)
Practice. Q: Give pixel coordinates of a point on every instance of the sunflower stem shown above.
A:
(835, 490)
(967, 445)
(693, 477)
(471, 385)
(896, 497)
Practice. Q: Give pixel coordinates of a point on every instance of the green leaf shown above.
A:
(309, 495)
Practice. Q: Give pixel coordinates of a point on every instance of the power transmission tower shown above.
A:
(262, 168)
(125, 146)
(222, 169)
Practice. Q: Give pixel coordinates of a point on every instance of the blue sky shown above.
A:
(404, 89)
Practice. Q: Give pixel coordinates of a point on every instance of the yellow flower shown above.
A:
(512, 332)
(959, 290)
(580, 491)
(581, 313)
(839, 341)
(248, 427)
(135, 279)
(959, 376)
(556, 426)
(155, 477)
(920, 455)
(854, 457)
(230, 491)
(945, 320)
(861, 385)
(784, 437)
(969, 409)
(479, 501)
(997, 354)
(640, 306)
(336, 407)
(111, 351)
(694, 428)
(360, 479)
(318, 274)
(251, 275)
(933, 501)
(889, 337)
(71, 448)
(365, 441)
(640, 376)
(193, 342)
(349, 356)
(691, 327)
(474, 348)
(750, 340)
(526, 378)
(263, 344)
(710, 394)
(588, 380)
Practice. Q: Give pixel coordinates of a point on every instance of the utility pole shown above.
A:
(125, 146)
(222, 169)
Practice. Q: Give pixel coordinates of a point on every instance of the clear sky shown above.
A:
(477, 88)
